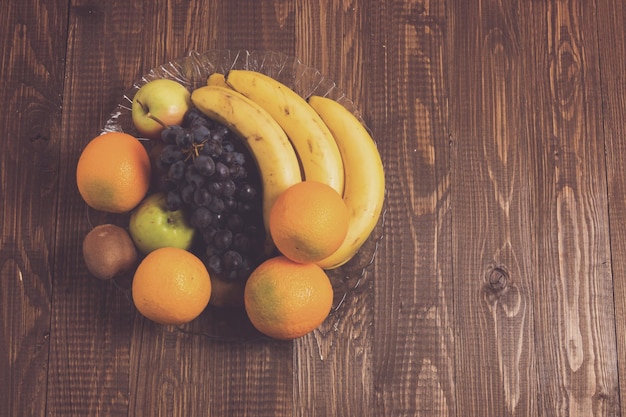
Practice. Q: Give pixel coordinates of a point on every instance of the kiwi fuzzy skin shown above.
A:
(109, 251)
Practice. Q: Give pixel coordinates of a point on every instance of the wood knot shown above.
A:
(498, 279)
(501, 294)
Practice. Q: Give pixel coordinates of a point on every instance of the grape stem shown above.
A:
(194, 150)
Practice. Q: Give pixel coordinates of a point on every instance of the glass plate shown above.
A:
(193, 71)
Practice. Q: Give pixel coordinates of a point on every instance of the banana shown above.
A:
(216, 79)
(275, 157)
(314, 144)
(364, 190)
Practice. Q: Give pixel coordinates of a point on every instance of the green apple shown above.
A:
(158, 104)
(153, 226)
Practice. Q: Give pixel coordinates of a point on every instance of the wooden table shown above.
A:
(498, 289)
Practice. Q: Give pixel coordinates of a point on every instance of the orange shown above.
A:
(286, 299)
(171, 286)
(308, 221)
(113, 172)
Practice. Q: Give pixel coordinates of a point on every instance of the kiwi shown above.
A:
(109, 251)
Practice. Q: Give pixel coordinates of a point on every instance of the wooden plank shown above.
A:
(413, 337)
(32, 46)
(611, 18)
(91, 323)
(573, 289)
(493, 208)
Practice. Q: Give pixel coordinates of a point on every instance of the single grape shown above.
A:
(204, 165)
(213, 148)
(235, 222)
(229, 158)
(232, 260)
(221, 171)
(222, 239)
(185, 140)
(214, 187)
(215, 263)
(216, 205)
(228, 146)
(202, 197)
(201, 217)
(230, 204)
(241, 242)
(229, 188)
(171, 154)
(176, 171)
(173, 201)
(201, 133)
(237, 158)
(187, 193)
(241, 158)
(237, 172)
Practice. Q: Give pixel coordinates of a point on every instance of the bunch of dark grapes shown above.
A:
(205, 171)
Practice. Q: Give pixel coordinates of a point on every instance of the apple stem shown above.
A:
(158, 121)
(151, 116)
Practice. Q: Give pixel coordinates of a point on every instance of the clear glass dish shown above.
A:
(192, 71)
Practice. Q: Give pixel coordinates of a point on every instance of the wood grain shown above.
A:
(33, 48)
(265, 25)
(612, 62)
(413, 329)
(493, 203)
(574, 326)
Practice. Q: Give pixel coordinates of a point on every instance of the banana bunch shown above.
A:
(293, 139)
